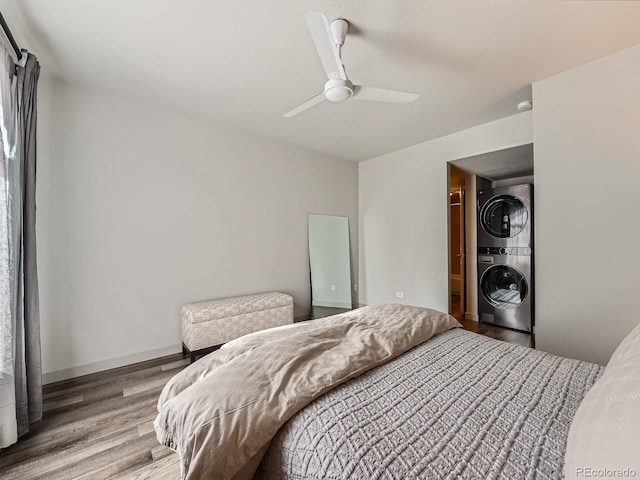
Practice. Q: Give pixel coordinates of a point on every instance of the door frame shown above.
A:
(461, 255)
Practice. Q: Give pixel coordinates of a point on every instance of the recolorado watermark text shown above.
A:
(591, 472)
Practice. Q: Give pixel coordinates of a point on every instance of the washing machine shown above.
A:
(505, 216)
(505, 287)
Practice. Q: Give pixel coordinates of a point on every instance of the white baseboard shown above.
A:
(78, 371)
(472, 316)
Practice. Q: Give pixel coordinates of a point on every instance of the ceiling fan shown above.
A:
(328, 40)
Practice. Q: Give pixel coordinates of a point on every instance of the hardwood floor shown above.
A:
(321, 312)
(499, 333)
(100, 426)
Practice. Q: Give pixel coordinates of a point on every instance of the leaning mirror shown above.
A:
(329, 261)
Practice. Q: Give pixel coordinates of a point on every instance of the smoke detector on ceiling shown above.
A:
(525, 106)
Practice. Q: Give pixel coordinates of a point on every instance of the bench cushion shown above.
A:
(214, 322)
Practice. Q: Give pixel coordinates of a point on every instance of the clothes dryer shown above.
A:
(505, 287)
(505, 216)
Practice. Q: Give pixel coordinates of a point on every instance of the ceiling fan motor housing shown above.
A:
(339, 28)
(338, 90)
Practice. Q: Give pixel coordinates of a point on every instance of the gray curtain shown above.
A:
(20, 338)
(8, 421)
(28, 366)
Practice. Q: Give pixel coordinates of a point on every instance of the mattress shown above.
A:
(460, 405)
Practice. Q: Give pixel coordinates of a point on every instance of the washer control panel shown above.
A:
(521, 251)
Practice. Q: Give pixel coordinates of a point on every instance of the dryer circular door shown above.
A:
(503, 287)
(503, 216)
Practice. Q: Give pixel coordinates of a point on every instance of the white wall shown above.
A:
(403, 212)
(142, 209)
(587, 206)
(471, 239)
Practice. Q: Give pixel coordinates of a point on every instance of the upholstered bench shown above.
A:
(207, 325)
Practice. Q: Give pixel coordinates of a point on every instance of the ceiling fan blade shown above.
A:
(312, 102)
(325, 44)
(382, 95)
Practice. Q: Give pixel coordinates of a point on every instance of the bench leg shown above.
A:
(196, 353)
(186, 351)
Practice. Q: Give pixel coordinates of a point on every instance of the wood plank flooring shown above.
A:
(505, 334)
(100, 426)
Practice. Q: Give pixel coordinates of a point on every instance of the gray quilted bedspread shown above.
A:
(460, 405)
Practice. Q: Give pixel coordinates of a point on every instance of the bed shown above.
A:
(382, 392)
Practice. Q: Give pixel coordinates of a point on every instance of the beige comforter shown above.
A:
(220, 413)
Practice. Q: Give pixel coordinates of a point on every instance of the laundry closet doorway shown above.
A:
(465, 178)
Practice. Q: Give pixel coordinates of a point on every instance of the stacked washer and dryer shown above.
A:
(505, 256)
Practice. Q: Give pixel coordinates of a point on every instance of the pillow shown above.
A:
(604, 438)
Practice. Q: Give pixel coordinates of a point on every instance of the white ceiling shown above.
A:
(244, 63)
